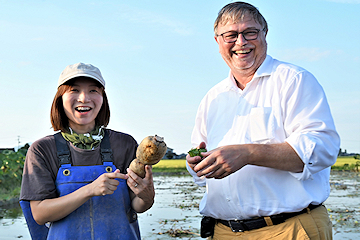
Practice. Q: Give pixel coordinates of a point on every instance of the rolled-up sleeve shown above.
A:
(199, 181)
(309, 125)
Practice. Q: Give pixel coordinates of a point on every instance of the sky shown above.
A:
(159, 58)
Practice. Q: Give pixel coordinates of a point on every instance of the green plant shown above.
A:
(196, 152)
(11, 168)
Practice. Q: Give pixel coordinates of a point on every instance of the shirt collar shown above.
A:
(265, 69)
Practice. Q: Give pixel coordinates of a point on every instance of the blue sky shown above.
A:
(159, 58)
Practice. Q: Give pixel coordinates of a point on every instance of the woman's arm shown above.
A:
(142, 190)
(54, 209)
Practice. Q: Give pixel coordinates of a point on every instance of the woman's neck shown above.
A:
(82, 129)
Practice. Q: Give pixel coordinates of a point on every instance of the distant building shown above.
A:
(10, 149)
(171, 155)
(15, 149)
(181, 156)
(345, 153)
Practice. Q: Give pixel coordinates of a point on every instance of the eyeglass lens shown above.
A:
(230, 37)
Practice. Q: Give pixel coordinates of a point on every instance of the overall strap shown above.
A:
(63, 152)
(105, 148)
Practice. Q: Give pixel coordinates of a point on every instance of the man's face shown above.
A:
(242, 56)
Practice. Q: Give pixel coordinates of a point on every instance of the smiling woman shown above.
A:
(82, 102)
(73, 174)
(86, 88)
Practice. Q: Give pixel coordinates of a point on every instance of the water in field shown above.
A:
(175, 211)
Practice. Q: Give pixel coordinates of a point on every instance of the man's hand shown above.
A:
(226, 160)
(192, 161)
(222, 161)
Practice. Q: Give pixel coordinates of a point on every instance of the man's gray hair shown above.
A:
(233, 12)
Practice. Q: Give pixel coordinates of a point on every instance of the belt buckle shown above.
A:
(238, 227)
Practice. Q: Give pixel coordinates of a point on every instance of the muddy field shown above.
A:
(179, 198)
(344, 205)
(175, 212)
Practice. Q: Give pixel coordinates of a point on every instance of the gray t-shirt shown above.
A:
(41, 163)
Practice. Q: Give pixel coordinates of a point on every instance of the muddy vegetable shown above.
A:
(196, 152)
(150, 151)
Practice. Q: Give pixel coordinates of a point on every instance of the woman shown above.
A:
(71, 182)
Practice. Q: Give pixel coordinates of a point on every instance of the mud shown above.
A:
(175, 211)
(344, 205)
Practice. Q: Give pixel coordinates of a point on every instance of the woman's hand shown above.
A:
(142, 189)
(106, 183)
(54, 209)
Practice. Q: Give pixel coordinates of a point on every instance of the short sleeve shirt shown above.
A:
(42, 165)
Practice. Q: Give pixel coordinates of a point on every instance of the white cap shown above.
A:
(80, 70)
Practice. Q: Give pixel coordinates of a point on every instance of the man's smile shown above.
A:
(242, 51)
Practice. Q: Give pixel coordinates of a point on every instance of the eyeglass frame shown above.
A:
(241, 33)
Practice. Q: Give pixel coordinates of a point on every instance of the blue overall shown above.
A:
(101, 217)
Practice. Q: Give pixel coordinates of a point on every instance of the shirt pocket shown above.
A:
(262, 125)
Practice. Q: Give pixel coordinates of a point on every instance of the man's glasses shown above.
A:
(232, 36)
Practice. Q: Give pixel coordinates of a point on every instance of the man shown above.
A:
(271, 140)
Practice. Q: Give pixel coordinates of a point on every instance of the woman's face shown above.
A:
(82, 103)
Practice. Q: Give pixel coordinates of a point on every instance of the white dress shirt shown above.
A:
(282, 103)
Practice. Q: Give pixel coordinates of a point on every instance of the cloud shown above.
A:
(155, 19)
(308, 54)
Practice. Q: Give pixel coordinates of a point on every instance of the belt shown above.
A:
(251, 224)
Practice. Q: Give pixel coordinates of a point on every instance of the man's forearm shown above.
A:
(279, 156)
